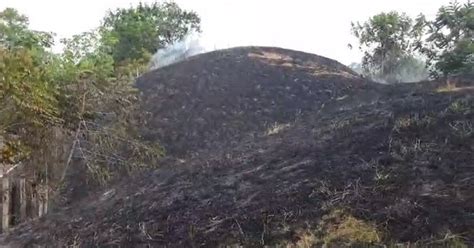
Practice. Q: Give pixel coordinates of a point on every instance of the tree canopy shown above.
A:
(138, 32)
(85, 92)
(395, 44)
(449, 45)
(386, 40)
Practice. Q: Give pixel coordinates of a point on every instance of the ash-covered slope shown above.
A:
(218, 98)
(352, 171)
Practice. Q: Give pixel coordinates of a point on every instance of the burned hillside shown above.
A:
(272, 147)
(218, 98)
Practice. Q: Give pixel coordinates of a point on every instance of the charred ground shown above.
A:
(219, 98)
(276, 147)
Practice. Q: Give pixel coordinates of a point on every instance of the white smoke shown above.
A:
(409, 69)
(176, 52)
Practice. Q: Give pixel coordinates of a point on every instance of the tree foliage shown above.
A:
(14, 32)
(28, 95)
(25, 85)
(449, 45)
(82, 100)
(101, 105)
(26, 89)
(387, 41)
(393, 43)
(138, 32)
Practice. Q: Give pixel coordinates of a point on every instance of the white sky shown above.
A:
(320, 27)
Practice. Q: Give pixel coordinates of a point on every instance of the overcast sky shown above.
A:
(320, 27)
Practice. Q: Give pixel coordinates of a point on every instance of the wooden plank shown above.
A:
(5, 204)
(22, 189)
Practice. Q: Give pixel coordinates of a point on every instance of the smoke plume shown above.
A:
(176, 52)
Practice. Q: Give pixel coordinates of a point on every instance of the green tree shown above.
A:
(81, 94)
(449, 45)
(28, 96)
(386, 40)
(14, 32)
(25, 84)
(136, 33)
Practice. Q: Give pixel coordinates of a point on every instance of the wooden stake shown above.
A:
(46, 200)
(42, 200)
(6, 204)
(22, 189)
(40, 203)
(34, 201)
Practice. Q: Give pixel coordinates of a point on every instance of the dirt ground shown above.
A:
(272, 147)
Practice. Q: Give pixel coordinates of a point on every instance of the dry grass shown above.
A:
(306, 239)
(462, 128)
(338, 229)
(416, 121)
(283, 60)
(345, 229)
(461, 106)
(449, 87)
(276, 128)
(452, 88)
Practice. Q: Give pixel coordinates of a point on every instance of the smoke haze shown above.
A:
(176, 52)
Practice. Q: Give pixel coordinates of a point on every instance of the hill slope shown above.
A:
(218, 98)
(366, 165)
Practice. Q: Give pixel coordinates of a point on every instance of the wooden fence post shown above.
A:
(22, 188)
(46, 200)
(33, 200)
(42, 200)
(6, 204)
(40, 205)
